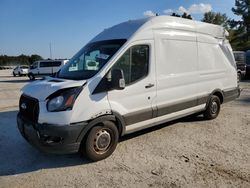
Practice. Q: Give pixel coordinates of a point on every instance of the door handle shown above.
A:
(149, 86)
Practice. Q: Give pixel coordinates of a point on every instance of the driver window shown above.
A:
(134, 63)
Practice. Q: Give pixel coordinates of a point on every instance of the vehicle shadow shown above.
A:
(244, 99)
(15, 81)
(17, 156)
(6, 76)
(245, 80)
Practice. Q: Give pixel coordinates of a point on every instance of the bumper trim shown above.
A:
(50, 138)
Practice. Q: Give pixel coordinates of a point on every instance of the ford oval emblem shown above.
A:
(24, 106)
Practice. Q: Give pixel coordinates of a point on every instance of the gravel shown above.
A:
(189, 152)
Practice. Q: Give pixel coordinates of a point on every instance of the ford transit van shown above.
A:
(45, 68)
(130, 77)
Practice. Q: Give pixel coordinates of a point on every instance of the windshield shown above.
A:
(90, 59)
(24, 67)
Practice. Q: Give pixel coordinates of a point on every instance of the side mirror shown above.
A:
(117, 79)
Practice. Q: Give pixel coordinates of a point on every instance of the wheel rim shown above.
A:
(214, 107)
(102, 141)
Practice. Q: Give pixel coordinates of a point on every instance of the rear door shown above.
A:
(137, 101)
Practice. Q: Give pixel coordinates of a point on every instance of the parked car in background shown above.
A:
(20, 70)
(240, 59)
(248, 64)
(45, 68)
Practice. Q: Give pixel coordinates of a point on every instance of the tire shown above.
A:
(239, 76)
(19, 74)
(101, 141)
(213, 108)
(14, 74)
(31, 76)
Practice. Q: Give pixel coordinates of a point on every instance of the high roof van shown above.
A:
(130, 77)
(45, 68)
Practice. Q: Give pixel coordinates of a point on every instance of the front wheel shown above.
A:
(101, 141)
(31, 76)
(213, 108)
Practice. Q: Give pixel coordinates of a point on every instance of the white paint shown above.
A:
(188, 59)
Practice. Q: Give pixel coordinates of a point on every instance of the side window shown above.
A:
(42, 64)
(45, 64)
(56, 64)
(134, 63)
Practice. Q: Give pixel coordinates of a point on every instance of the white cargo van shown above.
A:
(132, 76)
(45, 68)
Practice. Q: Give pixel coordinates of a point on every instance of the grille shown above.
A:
(29, 108)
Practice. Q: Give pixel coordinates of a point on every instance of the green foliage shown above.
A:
(216, 18)
(240, 33)
(184, 15)
(242, 9)
(18, 60)
(239, 29)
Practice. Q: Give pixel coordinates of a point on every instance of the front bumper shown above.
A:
(51, 138)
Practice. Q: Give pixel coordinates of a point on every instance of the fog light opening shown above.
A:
(51, 139)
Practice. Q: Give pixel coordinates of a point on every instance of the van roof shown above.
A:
(127, 29)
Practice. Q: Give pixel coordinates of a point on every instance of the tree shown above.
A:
(240, 33)
(216, 18)
(18, 60)
(188, 16)
(242, 8)
(184, 15)
(175, 15)
(34, 58)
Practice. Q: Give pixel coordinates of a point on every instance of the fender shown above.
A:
(216, 92)
(121, 121)
(101, 119)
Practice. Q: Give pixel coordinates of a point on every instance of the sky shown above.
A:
(32, 26)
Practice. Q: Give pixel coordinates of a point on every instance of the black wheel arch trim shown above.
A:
(114, 117)
(213, 93)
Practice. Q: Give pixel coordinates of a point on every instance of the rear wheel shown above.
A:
(101, 141)
(213, 108)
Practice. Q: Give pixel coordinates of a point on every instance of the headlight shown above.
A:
(63, 99)
(55, 103)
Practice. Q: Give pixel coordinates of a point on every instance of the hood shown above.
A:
(41, 89)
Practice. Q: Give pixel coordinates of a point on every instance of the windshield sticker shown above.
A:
(73, 68)
(102, 56)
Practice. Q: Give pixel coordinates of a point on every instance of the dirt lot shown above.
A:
(189, 152)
